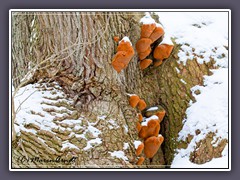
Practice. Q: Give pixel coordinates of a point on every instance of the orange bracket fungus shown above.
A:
(143, 55)
(150, 127)
(164, 49)
(140, 160)
(157, 33)
(147, 30)
(139, 149)
(139, 127)
(124, 54)
(160, 115)
(145, 63)
(141, 105)
(157, 63)
(140, 117)
(151, 145)
(134, 100)
(150, 33)
(143, 44)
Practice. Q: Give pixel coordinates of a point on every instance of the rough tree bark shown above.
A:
(75, 49)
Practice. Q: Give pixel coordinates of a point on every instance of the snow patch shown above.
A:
(166, 40)
(125, 146)
(119, 154)
(92, 142)
(136, 143)
(147, 19)
(67, 144)
(153, 108)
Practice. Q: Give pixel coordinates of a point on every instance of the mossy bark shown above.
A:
(75, 49)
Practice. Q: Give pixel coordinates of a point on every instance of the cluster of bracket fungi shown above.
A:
(152, 48)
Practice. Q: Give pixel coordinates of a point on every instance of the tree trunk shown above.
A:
(75, 49)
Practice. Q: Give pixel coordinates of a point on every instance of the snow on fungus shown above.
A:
(145, 63)
(157, 33)
(152, 108)
(141, 105)
(143, 44)
(162, 51)
(147, 30)
(123, 56)
(140, 160)
(147, 19)
(139, 149)
(126, 39)
(151, 145)
(136, 143)
(153, 117)
(134, 100)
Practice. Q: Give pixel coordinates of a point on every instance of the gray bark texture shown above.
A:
(75, 49)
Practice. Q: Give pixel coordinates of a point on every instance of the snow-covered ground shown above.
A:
(207, 34)
(37, 104)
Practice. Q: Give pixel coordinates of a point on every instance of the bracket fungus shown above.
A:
(134, 100)
(145, 63)
(124, 54)
(140, 117)
(150, 33)
(138, 126)
(157, 33)
(147, 30)
(140, 160)
(164, 49)
(139, 149)
(151, 145)
(152, 129)
(141, 105)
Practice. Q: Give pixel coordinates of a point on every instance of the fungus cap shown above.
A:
(141, 105)
(139, 127)
(157, 33)
(139, 149)
(162, 51)
(140, 160)
(153, 128)
(151, 145)
(140, 117)
(161, 115)
(147, 30)
(119, 62)
(134, 100)
(145, 63)
(143, 44)
(157, 63)
(143, 55)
